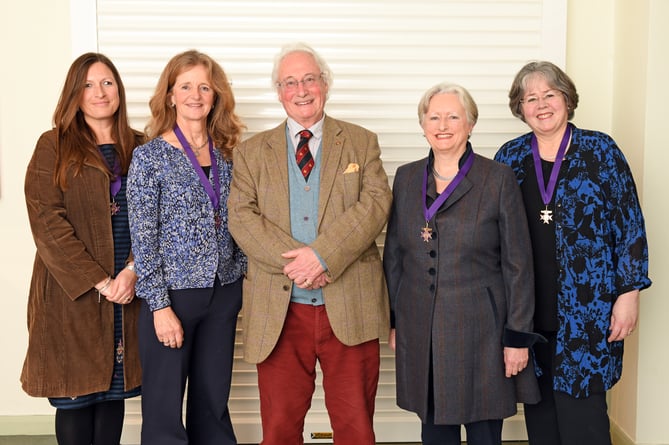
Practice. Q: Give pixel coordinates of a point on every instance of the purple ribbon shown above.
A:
(547, 192)
(213, 193)
(115, 183)
(429, 212)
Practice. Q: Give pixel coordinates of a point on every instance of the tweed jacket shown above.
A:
(68, 323)
(354, 203)
(462, 296)
(601, 251)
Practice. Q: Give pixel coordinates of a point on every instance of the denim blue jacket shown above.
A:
(601, 251)
(174, 239)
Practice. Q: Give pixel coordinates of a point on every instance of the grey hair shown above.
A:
(299, 47)
(449, 88)
(554, 76)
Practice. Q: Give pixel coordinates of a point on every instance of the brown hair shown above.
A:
(555, 77)
(76, 144)
(223, 125)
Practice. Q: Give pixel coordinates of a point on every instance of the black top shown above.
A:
(543, 246)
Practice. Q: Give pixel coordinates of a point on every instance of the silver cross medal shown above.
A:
(546, 216)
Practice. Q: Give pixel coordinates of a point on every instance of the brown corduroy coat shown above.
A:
(71, 330)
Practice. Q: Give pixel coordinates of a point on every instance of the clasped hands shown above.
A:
(305, 269)
(120, 289)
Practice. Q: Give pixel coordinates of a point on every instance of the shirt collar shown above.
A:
(316, 129)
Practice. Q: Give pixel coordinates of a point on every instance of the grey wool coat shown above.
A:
(459, 298)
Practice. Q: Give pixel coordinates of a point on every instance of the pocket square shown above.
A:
(352, 168)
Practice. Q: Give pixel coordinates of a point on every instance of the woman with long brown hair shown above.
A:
(82, 351)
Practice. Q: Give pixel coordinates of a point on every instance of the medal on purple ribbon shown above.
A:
(426, 232)
(546, 191)
(214, 193)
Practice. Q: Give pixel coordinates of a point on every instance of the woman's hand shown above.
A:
(122, 288)
(391, 339)
(515, 360)
(624, 316)
(168, 327)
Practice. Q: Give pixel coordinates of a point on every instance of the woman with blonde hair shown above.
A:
(189, 268)
(458, 266)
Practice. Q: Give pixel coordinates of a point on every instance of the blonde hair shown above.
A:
(223, 125)
(449, 88)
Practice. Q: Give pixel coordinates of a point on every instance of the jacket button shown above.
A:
(432, 287)
(286, 287)
(433, 253)
(432, 271)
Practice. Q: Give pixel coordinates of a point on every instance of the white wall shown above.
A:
(35, 48)
(652, 417)
(616, 55)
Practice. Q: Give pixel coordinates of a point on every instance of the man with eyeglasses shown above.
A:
(307, 201)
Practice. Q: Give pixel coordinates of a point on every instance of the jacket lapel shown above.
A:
(461, 190)
(331, 153)
(276, 165)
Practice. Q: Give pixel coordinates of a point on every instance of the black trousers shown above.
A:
(560, 419)
(484, 432)
(209, 319)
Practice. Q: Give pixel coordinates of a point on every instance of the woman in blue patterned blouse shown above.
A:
(189, 268)
(590, 256)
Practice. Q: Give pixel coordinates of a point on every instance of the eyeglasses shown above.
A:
(291, 83)
(550, 97)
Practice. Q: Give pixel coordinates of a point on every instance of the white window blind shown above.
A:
(383, 53)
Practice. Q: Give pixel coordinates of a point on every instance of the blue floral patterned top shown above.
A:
(601, 251)
(175, 241)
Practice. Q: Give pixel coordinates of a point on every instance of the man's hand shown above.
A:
(305, 270)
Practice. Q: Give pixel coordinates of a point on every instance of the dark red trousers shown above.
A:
(286, 380)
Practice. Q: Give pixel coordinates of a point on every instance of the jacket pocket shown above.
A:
(493, 306)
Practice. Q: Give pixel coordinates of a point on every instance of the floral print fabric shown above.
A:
(601, 251)
(174, 237)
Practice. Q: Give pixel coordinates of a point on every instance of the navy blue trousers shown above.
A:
(209, 319)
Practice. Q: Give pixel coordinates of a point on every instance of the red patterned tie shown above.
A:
(303, 156)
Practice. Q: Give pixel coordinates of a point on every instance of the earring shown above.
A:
(173, 105)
